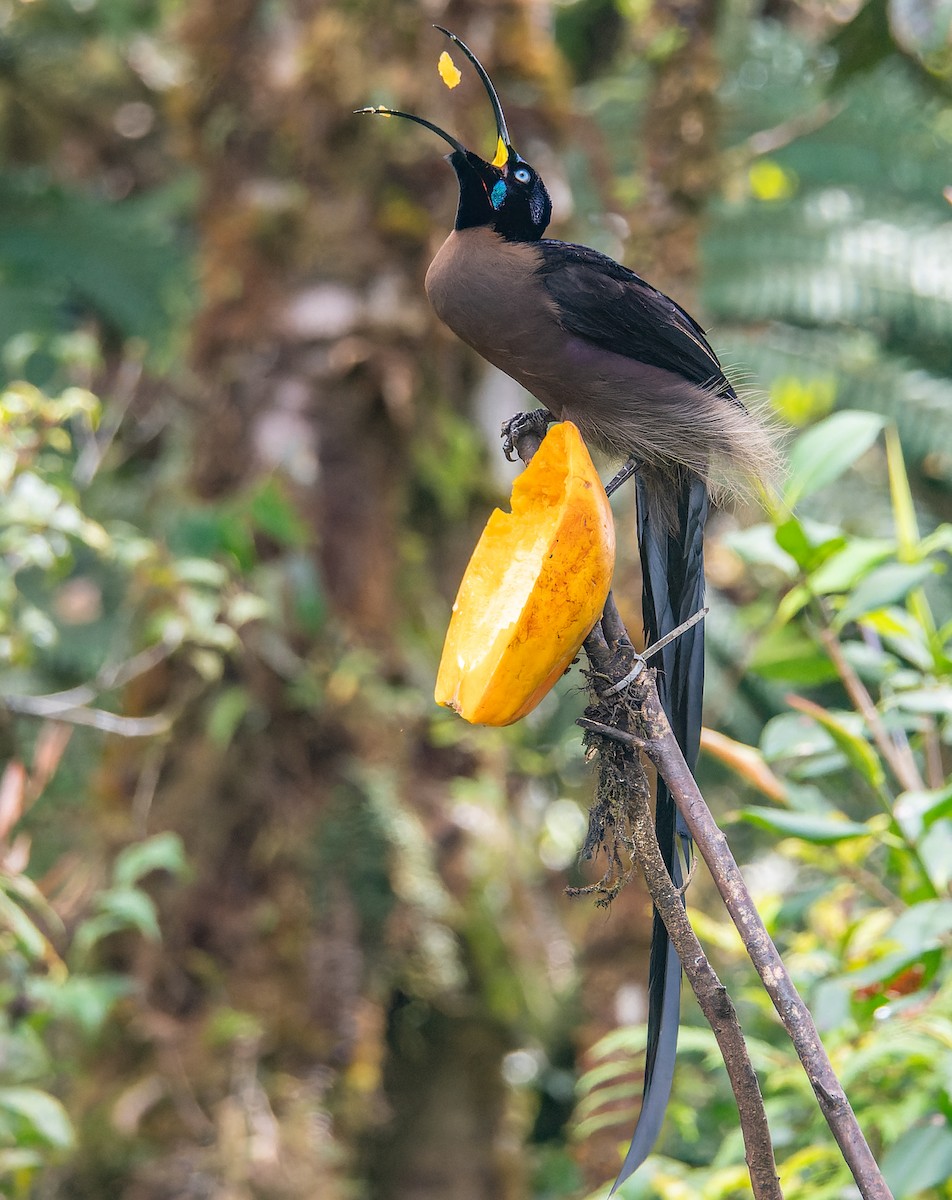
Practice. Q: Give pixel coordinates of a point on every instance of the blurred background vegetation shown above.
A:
(271, 924)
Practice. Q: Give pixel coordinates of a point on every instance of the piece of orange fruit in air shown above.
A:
(534, 588)
(449, 71)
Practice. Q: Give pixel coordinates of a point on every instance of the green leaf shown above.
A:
(843, 570)
(787, 653)
(163, 852)
(808, 544)
(917, 811)
(871, 661)
(201, 572)
(935, 850)
(130, 908)
(120, 909)
(809, 827)
(86, 1000)
(757, 545)
(32, 941)
(243, 607)
(904, 635)
(607, 1095)
(846, 731)
(792, 603)
(791, 736)
(936, 700)
(228, 711)
(227, 1025)
(830, 1004)
(14, 1161)
(920, 1159)
(25, 890)
(882, 969)
(92, 931)
(275, 515)
(823, 453)
(807, 797)
(792, 539)
(903, 506)
(922, 927)
(936, 542)
(883, 588)
(71, 249)
(41, 1117)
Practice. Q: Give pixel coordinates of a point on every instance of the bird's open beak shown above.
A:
(504, 150)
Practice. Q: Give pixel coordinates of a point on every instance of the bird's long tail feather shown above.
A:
(672, 560)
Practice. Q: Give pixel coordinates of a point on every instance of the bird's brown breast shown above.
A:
(488, 291)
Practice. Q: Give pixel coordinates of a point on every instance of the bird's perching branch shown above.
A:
(642, 841)
(652, 735)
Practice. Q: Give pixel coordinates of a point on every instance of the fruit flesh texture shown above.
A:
(535, 586)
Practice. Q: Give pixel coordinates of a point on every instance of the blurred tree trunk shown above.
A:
(274, 1052)
(680, 137)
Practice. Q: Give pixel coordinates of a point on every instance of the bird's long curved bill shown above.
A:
(503, 145)
(504, 150)
(380, 111)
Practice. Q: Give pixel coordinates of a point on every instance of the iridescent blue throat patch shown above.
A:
(498, 194)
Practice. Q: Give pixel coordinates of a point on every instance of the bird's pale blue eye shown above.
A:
(521, 175)
(498, 194)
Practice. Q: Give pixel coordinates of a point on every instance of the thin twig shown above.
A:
(73, 705)
(98, 443)
(97, 718)
(641, 660)
(652, 650)
(899, 758)
(932, 745)
(662, 748)
(119, 674)
(712, 997)
(715, 1004)
(768, 141)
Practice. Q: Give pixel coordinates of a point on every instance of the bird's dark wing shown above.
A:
(600, 300)
(606, 304)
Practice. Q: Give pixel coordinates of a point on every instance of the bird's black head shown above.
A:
(506, 194)
(511, 198)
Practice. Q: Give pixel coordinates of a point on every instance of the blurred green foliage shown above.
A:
(53, 1005)
(853, 874)
(68, 259)
(104, 254)
(63, 574)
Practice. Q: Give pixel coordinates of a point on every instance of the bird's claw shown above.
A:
(534, 422)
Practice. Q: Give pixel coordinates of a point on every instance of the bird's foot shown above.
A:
(523, 424)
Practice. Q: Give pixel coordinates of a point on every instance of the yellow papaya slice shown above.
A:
(534, 587)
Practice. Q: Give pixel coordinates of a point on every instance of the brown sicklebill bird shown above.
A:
(598, 346)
